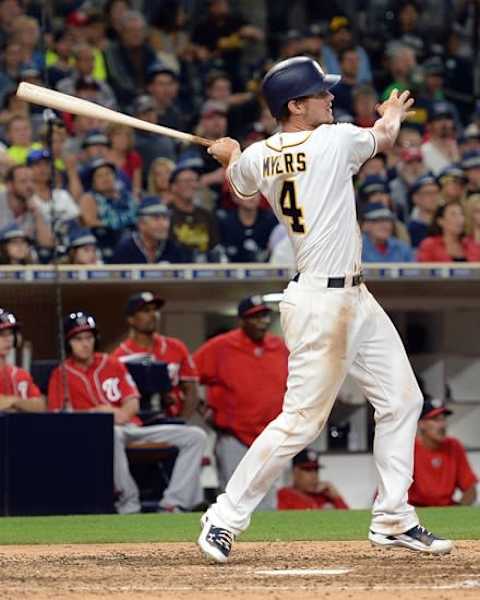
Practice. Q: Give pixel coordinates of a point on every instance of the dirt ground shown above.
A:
(178, 571)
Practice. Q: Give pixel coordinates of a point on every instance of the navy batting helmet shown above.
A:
(77, 322)
(9, 321)
(294, 78)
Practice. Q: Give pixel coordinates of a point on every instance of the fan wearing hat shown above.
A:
(441, 466)
(163, 87)
(240, 407)
(18, 392)
(452, 181)
(425, 197)
(340, 36)
(379, 243)
(15, 247)
(307, 491)
(82, 247)
(19, 138)
(143, 311)
(151, 241)
(408, 169)
(441, 149)
(471, 167)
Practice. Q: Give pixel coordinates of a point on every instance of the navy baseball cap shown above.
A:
(433, 407)
(137, 301)
(248, 307)
(427, 179)
(81, 236)
(451, 172)
(158, 68)
(35, 156)
(190, 164)
(95, 137)
(308, 460)
(11, 231)
(471, 160)
(376, 211)
(372, 185)
(152, 205)
(440, 110)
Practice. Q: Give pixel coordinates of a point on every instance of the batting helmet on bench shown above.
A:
(294, 78)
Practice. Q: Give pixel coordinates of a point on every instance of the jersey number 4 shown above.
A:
(289, 207)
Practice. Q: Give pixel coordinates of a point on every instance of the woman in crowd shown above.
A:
(124, 157)
(446, 242)
(15, 247)
(158, 180)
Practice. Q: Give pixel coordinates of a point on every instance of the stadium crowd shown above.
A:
(118, 195)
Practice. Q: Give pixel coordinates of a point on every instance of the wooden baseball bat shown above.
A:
(37, 94)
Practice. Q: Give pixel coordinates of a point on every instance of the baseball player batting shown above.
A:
(331, 322)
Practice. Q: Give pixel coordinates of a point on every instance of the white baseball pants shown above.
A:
(331, 332)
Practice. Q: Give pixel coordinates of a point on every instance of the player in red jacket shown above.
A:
(144, 342)
(17, 390)
(441, 465)
(245, 371)
(97, 382)
(307, 491)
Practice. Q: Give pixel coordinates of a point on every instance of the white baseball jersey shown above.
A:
(307, 179)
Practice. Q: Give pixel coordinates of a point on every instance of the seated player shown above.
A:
(18, 393)
(143, 314)
(441, 465)
(307, 491)
(97, 382)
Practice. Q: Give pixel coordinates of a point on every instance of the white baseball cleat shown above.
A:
(417, 538)
(215, 542)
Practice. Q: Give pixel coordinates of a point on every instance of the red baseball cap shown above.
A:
(434, 407)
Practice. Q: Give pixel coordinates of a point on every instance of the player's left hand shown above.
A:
(224, 149)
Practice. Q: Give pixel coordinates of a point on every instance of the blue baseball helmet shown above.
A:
(294, 78)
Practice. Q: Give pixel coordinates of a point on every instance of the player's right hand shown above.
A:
(225, 149)
(399, 103)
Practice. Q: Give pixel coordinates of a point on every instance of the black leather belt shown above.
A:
(337, 282)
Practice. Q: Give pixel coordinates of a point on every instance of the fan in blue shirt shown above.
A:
(379, 244)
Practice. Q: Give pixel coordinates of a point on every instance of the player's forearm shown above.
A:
(386, 129)
(469, 496)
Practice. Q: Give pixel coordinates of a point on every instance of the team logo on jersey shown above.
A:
(22, 387)
(437, 462)
(174, 373)
(111, 388)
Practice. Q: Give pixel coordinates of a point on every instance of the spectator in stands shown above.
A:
(163, 86)
(193, 227)
(408, 170)
(82, 247)
(97, 382)
(151, 242)
(239, 408)
(471, 168)
(168, 34)
(365, 100)
(84, 72)
(123, 155)
(19, 138)
(314, 40)
(26, 32)
(106, 204)
(15, 247)
(452, 182)
(95, 145)
(308, 491)
(64, 207)
(401, 65)
(473, 227)
(349, 65)
(441, 150)
(375, 189)
(441, 465)
(18, 392)
(374, 166)
(145, 343)
(407, 28)
(16, 205)
(11, 63)
(341, 37)
(59, 58)
(425, 195)
(95, 36)
(446, 242)
(379, 244)
(470, 139)
(150, 145)
(129, 58)
(245, 231)
(158, 180)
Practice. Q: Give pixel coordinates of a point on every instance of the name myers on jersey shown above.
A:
(284, 164)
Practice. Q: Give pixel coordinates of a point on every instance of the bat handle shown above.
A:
(196, 139)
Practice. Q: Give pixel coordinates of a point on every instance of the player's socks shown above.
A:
(417, 538)
(215, 542)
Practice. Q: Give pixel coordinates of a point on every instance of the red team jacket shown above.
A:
(105, 381)
(166, 349)
(17, 382)
(438, 473)
(291, 499)
(246, 381)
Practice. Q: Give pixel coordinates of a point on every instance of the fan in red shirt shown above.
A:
(441, 465)
(17, 390)
(307, 491)
(245, 371)
(143, 342)
(97, 382)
